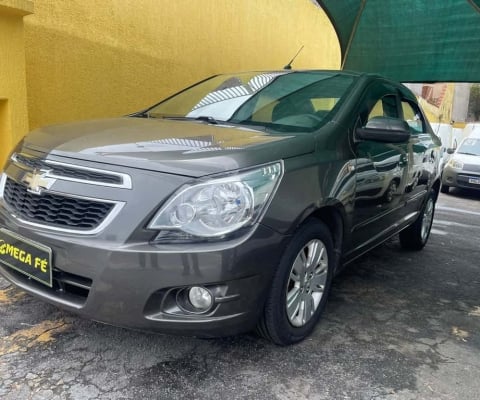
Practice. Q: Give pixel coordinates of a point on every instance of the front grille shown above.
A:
(55, 210)
(471, 167)
(68, 172)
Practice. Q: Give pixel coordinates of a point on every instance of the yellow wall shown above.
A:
(443, 113)
(13, 100)
(90, 58)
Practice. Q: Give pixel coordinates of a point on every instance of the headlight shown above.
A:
(220, 206)
(455, 164)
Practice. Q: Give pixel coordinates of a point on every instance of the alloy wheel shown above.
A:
(427, 219)
(306, 284)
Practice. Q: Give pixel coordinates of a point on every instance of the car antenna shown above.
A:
(289, 65)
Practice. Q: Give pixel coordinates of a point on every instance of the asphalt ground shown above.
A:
(398, 325)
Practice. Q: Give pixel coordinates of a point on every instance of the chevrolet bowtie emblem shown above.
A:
(38, 180)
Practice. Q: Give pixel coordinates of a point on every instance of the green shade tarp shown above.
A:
(409, 40)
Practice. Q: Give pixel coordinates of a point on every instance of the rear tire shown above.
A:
(300, 287)
(415, 237)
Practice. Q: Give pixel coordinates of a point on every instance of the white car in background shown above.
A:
(463, 168)
(472, 130)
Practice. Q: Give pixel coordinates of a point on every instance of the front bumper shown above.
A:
(113, 272)
(461, 178)
(137, 285)
(105, 267)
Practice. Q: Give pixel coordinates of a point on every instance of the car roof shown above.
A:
(363, 76)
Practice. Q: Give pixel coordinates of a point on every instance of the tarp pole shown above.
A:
(354, 30)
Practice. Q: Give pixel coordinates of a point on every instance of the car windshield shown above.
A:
(283, 101)
(470, 146)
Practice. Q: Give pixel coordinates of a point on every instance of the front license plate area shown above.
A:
(26, 256)
(475, 181)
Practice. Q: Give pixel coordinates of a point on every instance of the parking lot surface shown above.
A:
(398, 325)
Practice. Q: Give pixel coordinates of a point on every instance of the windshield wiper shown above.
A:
(207, 118)
(467, 153)
(213, 121)
(204, 118)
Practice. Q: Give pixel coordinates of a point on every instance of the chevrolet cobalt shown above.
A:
(225, 208)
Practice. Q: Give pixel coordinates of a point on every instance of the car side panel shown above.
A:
(379, 195)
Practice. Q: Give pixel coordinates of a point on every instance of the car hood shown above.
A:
(190, 148)
(467, 158)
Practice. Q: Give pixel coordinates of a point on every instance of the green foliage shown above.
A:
(474, 103)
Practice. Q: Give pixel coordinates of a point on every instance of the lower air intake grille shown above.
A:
(55, 210)
(68, 287)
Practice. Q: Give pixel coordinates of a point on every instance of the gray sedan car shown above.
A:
(227, 207)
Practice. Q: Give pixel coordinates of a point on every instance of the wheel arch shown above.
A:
(436, 188)
(333, 216)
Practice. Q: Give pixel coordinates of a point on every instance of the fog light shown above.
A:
(200, 298)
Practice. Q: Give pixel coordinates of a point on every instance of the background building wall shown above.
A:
(460, 102)
(89, 59)
(13, 96)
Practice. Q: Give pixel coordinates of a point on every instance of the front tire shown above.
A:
(445, 189)
(415, 237)
(300, 286)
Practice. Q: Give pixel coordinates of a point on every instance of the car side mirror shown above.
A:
(385, 129)
(450, 151)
